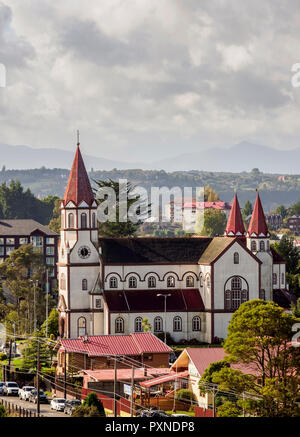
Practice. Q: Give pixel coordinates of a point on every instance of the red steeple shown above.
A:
(79, 188)
(258, 226)
(235, 226)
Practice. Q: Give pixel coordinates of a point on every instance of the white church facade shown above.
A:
(188, 287)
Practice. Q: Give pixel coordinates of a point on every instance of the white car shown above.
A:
(25, 391)
(11, 389)
(58, 404)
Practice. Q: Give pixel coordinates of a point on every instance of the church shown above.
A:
(187, 287)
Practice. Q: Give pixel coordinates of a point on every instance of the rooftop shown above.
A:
(23, 227)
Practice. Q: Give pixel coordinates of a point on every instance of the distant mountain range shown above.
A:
(241, 157)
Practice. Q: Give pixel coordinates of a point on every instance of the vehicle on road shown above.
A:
(1, 387)
(180, 415)
(70, 406)
(11, 389)
(25, 391)
(58, 404)
(153, 413)
(33, 397)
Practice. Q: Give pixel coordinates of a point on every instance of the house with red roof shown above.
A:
(187, 287)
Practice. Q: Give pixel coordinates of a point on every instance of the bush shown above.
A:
(2, 411)
(86, 411)
(92, 400)
(3, 356)
(184, 394)
(228, 409)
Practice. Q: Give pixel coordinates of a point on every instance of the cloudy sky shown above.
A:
(147, 79)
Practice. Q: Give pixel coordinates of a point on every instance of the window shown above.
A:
(138, 324)
(9, 250)
(201, 280)
(282, 278)
(113, 282)
(83, 220)
(262, 246)
(1, 251)
(151, 282)
(262, 294)
(158, 324)
(98, 302)
(50, 250)
(177, 324)
(119, 325)
(274, 278)
(132, 283)
(50, 261)
(71, 220)
(62, 281)
(94, 225)
(208, 281)
(51, 272)
(171, 281)
(234, 295)
(1, 240)
(235, 299)
(50, 240)
(23, 240)
(236, 283)
(190, 281)
(84, 284)
(227, 300)
(81, 326)
(253, 245)
(196, 323)
(10, 241)
(236, 258)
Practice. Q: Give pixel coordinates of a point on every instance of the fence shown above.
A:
(17, 410)
(202, 412)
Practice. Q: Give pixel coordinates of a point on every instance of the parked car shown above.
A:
(33, 397)
(1, 387)
(70, 406)
(11, 389)
(180, 415)
(58, 404)
(25, 391)
(153, 413)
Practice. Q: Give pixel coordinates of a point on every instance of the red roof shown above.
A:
(103, 345)
(162, 379)
(79, 188)
(124, 374)
(258, 226)
(235, 226)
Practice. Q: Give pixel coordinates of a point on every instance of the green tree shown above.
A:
(146, 325)
(52, 324)
(214, 223)
(282, 210)
(54, 223)
(296, 309)
(86, 411)
(229, 409)
(210, 195)
(92, 400)
(289, 253)
(118, 223)
(247, 210)
(30, 352)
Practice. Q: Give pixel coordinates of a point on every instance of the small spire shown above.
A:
(235, 225)
(258, 226)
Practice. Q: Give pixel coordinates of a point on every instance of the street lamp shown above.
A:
(165, 322)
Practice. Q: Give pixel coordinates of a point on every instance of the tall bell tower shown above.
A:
(78, 259)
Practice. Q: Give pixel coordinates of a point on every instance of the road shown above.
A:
(45, 408)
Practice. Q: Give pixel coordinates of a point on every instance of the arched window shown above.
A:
(119, 325)
(177, 324)
(84, 284)
(151, 282)
(71, 220)
(236, 288)
(262, 246)
(190, 281)
(201, 280)
(113, 282)
(132, 283)
(196, 323)
(262, 294)
(236, 258)
(171, 281)
(227, 300)
(81, 327)
(158, 324)
(274, 278)
(253, 245)
(138, 324)
(94, 221)
(235, 293)
(62, 281)
(83, 220)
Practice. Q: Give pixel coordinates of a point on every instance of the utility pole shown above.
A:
(115, 389)
(47, 297)
(214, 402)
(65, 375)
(38, 365)
(34, 308)
(165, 312)
(9, 360)
(132, 392)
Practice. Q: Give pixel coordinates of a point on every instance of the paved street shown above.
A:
(45, 409)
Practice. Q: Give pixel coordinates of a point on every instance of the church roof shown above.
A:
(235, 226)
(153, 250)
(147, 300)
(79, 188)
(258, 226)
